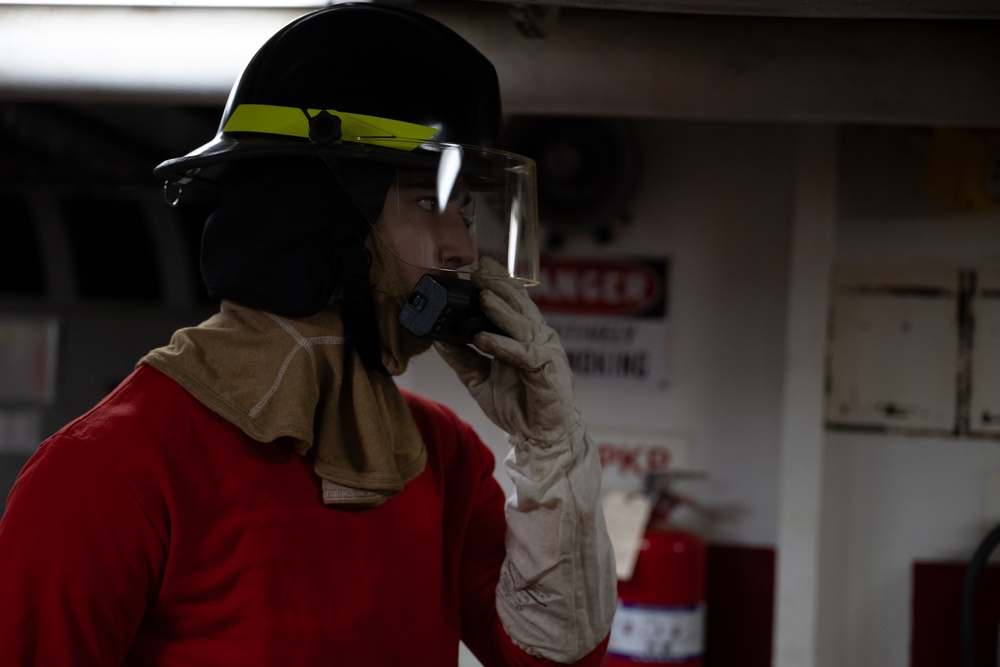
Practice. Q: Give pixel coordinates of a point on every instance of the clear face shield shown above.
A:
(456, 204)
(446, 209)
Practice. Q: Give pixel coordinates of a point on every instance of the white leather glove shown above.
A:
(558, 588)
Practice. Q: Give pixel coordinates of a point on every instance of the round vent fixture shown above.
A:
(587, 169)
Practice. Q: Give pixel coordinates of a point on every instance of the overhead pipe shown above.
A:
(589, 62)
(849, 9)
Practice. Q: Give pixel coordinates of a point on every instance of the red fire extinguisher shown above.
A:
(661, 609)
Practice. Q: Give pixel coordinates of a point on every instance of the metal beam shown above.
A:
(907, 9)
(654, 65)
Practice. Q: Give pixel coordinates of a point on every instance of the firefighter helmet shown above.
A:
(354, 79)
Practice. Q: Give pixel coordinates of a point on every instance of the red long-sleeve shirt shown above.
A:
(153, 532)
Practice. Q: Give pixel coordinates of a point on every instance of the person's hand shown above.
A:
(556, 593)
(527, 387)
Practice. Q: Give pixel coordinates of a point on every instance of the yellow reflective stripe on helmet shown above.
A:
(366, 129)
(292, 122)
(287, 121)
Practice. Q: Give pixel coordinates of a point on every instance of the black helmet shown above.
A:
(352, 80)
(311, 139)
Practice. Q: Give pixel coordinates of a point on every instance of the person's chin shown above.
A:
(413, 345)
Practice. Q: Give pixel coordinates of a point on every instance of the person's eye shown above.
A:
(468, 212)
(468, 216)
(429, 204)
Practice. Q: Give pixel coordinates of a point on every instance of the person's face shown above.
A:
(421, 235)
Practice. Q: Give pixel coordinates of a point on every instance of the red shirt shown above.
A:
(153, 532)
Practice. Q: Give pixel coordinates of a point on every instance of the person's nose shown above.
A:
(456, 247)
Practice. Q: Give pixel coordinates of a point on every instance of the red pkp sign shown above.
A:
(634, 460)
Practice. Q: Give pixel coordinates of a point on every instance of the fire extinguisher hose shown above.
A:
(976, 565)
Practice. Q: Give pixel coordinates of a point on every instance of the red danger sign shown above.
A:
(594, 286)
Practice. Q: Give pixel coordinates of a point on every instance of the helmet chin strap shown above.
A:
(353, 267)
(357, 303)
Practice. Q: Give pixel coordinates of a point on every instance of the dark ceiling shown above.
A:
(69, 138)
